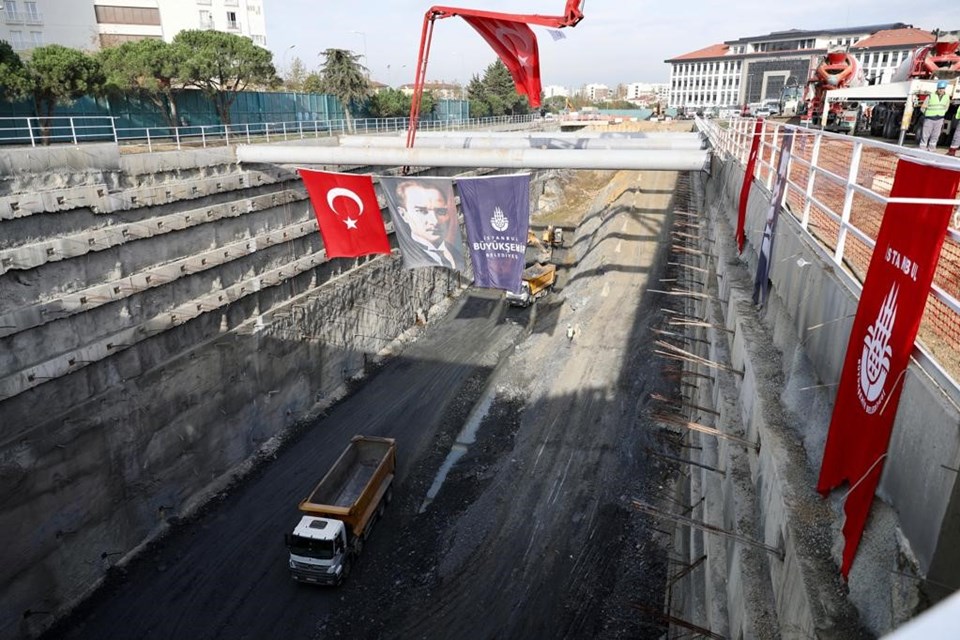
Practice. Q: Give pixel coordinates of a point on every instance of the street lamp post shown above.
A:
(283, 58)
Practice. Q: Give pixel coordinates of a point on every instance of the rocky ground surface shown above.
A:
(531, 533)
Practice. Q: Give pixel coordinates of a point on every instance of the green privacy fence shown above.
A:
(134, 116)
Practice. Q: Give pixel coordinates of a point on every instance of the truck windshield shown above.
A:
(321, 549)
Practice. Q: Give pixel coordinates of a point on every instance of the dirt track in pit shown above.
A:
(531, 534)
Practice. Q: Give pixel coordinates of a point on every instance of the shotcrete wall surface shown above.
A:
(166, 320)
(791, 353)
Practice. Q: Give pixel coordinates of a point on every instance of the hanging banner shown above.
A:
(424, 215)
(888, 316)
(761, 283)
(747, 181)
(496, 212)
(347, 212)
(516, 45)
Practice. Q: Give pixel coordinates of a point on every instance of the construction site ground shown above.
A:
(519, 450)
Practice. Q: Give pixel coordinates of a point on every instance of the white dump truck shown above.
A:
(341, 510)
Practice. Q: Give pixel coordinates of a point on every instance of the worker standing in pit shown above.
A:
(934, 109)
(955, 143)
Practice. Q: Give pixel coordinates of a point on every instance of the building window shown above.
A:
(36, 38)
(206, 19)
(11, 13)
(127, 15)
(232, 20)
(33, 13)
(16, 41)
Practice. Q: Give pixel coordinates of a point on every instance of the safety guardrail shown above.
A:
(837, 188)
(76, 130)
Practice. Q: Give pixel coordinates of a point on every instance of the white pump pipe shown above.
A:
(545, 141)
(638, 160)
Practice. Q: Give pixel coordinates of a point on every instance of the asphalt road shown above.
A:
(530, 535)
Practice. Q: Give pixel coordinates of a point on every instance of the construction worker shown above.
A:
(934, 109)
(955, 143)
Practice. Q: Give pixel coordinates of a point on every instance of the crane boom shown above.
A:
(572, 15)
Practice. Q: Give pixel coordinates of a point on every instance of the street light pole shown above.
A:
(283, 58)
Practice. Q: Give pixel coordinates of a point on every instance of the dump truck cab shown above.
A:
(319, 551)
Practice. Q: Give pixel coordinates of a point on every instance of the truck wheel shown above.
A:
(347, 565)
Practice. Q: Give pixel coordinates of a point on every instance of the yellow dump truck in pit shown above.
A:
(537, 281)
(340, 511)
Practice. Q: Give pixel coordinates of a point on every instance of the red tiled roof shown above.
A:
(713, 51)
(896, 38)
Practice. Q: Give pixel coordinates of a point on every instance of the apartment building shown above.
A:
(93, 24)
(27, 24)
(756, 68)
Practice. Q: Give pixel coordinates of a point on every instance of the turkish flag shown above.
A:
(894, 294)
(516, 44)
(348, 213)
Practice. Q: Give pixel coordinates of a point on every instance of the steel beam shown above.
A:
(461, 141)
(640, 160)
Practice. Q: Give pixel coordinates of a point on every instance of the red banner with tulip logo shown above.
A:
(747, 181)
(888, 317)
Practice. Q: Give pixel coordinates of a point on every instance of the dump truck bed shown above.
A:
(353, 487)
(540, 276)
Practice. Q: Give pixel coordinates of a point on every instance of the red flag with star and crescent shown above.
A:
(348, 213)
(516, 44)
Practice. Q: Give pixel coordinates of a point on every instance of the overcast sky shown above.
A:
(617, 41)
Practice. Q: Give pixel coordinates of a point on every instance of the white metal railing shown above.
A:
(79, 129)
(837, 189)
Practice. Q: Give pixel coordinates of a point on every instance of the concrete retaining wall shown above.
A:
(790, 354)
(164, 319)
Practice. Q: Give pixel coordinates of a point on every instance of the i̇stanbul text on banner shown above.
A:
(496, 212)
(894, 294)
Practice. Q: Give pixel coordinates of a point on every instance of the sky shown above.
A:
(618, 41)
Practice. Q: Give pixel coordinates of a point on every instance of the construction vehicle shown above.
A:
(553, 236)
(537, 281)
(537, 250)
(939, 60)
(341, 510)
(838, 69)
(893, 110)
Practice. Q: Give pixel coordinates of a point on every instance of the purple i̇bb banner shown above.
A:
(496, 211)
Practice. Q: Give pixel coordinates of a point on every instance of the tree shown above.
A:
(313, 83)
(296, 76)
(149, 67)
(393, 103)
(495, 93)
(223, 64)
(11, 70)
(343, 77)
(56, 75)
